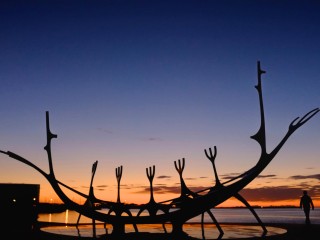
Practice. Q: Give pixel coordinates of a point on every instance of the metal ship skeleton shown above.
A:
(175, 211)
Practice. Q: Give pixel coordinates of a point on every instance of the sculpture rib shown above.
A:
(189, 207)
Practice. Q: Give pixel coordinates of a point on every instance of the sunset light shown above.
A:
(122, 101)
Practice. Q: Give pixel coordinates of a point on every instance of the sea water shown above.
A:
(223, 215)
(232, 220)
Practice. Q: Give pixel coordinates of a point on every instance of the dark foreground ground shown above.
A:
(294, 232)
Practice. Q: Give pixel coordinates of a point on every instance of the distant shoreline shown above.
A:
(51, 208)
(60, 207)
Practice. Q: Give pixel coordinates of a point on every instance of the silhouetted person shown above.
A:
(306, 203)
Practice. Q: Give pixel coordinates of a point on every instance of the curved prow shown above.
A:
(294, 125)
(50, 136)
(260, 136)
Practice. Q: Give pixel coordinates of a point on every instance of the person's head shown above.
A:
(305, 193)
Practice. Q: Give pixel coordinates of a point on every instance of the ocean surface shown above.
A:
(223, 215)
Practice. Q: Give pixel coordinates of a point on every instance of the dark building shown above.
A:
(18, 205)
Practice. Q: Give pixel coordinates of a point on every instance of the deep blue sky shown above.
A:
(137, 83)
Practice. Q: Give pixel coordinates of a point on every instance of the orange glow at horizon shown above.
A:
(144, 198)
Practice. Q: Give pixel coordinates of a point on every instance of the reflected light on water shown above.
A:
(233, 222)
(67, 217)
(278, 215)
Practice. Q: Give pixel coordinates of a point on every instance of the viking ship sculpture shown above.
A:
(174, 211)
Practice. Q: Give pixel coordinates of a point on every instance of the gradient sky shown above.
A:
(142, 83)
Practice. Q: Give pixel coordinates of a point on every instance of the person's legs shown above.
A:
(307, 213)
